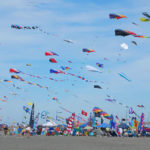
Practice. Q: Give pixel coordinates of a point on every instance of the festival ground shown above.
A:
(73, 143)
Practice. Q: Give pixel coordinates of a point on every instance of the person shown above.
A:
(19, 130)
(39, 130)
(23, 131)
(120, 131)
(28, 130)
(5, 130)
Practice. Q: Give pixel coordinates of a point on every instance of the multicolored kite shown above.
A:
(99, 65)
(51, 54)
(140, 106)
(116, 16)
(87, 50)
(126, 33)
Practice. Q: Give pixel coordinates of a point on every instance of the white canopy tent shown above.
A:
(50, 123)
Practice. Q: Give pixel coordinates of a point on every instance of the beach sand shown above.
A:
(73, 143)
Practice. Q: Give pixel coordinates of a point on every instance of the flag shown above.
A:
(84, 113)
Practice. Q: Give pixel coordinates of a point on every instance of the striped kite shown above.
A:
(126, 33)
(88, 50)
(116, 16)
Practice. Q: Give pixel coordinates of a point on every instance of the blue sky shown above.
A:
(88, 25)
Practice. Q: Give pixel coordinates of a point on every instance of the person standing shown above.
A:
(28, 130)
(5, 130)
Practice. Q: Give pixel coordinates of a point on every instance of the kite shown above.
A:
(69, 61)
(23, 27)
(92, 69)
(56, 71)
(99, 112)
(61, 72)
(124, 76)
(26, 109)
(44, 114)
(52, 60)
(88, 50)
(14, 94)
(9, 81)
(21, 79)
(16, 87)
(99, 65)
(16, 71)
(124, 46)
(126, 33)
(134, 23)
(108, 95)
(65, 68)
(5, 96)
(116, 16)
(17, 77)
(106, 58)
(140, 106)
(51, 54)
(97, 86)
(110, 100)
(146, 14)
(131, 111)
(144, 19)
(69, 41)
(6, 81)
(3, 100)
(79, 77)
(15, 26)
(59, 118)
(55, 99)
(28, 64)
(30, 104)
(134, 42)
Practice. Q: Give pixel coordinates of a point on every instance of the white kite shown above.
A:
(93, 69)
(124, 46)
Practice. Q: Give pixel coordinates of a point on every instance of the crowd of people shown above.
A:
(27, 131)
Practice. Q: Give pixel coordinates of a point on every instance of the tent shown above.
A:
(88, 128)
(84, 125)
(50, 123)
(104, 125)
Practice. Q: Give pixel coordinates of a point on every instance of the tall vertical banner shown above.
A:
(77, 123)
(93, 120)
(112, 124)
(69, 127)
(142, 122)
(31, 123)
(90, 119)
(36, 120)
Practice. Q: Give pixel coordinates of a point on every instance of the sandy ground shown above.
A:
(73, 143)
